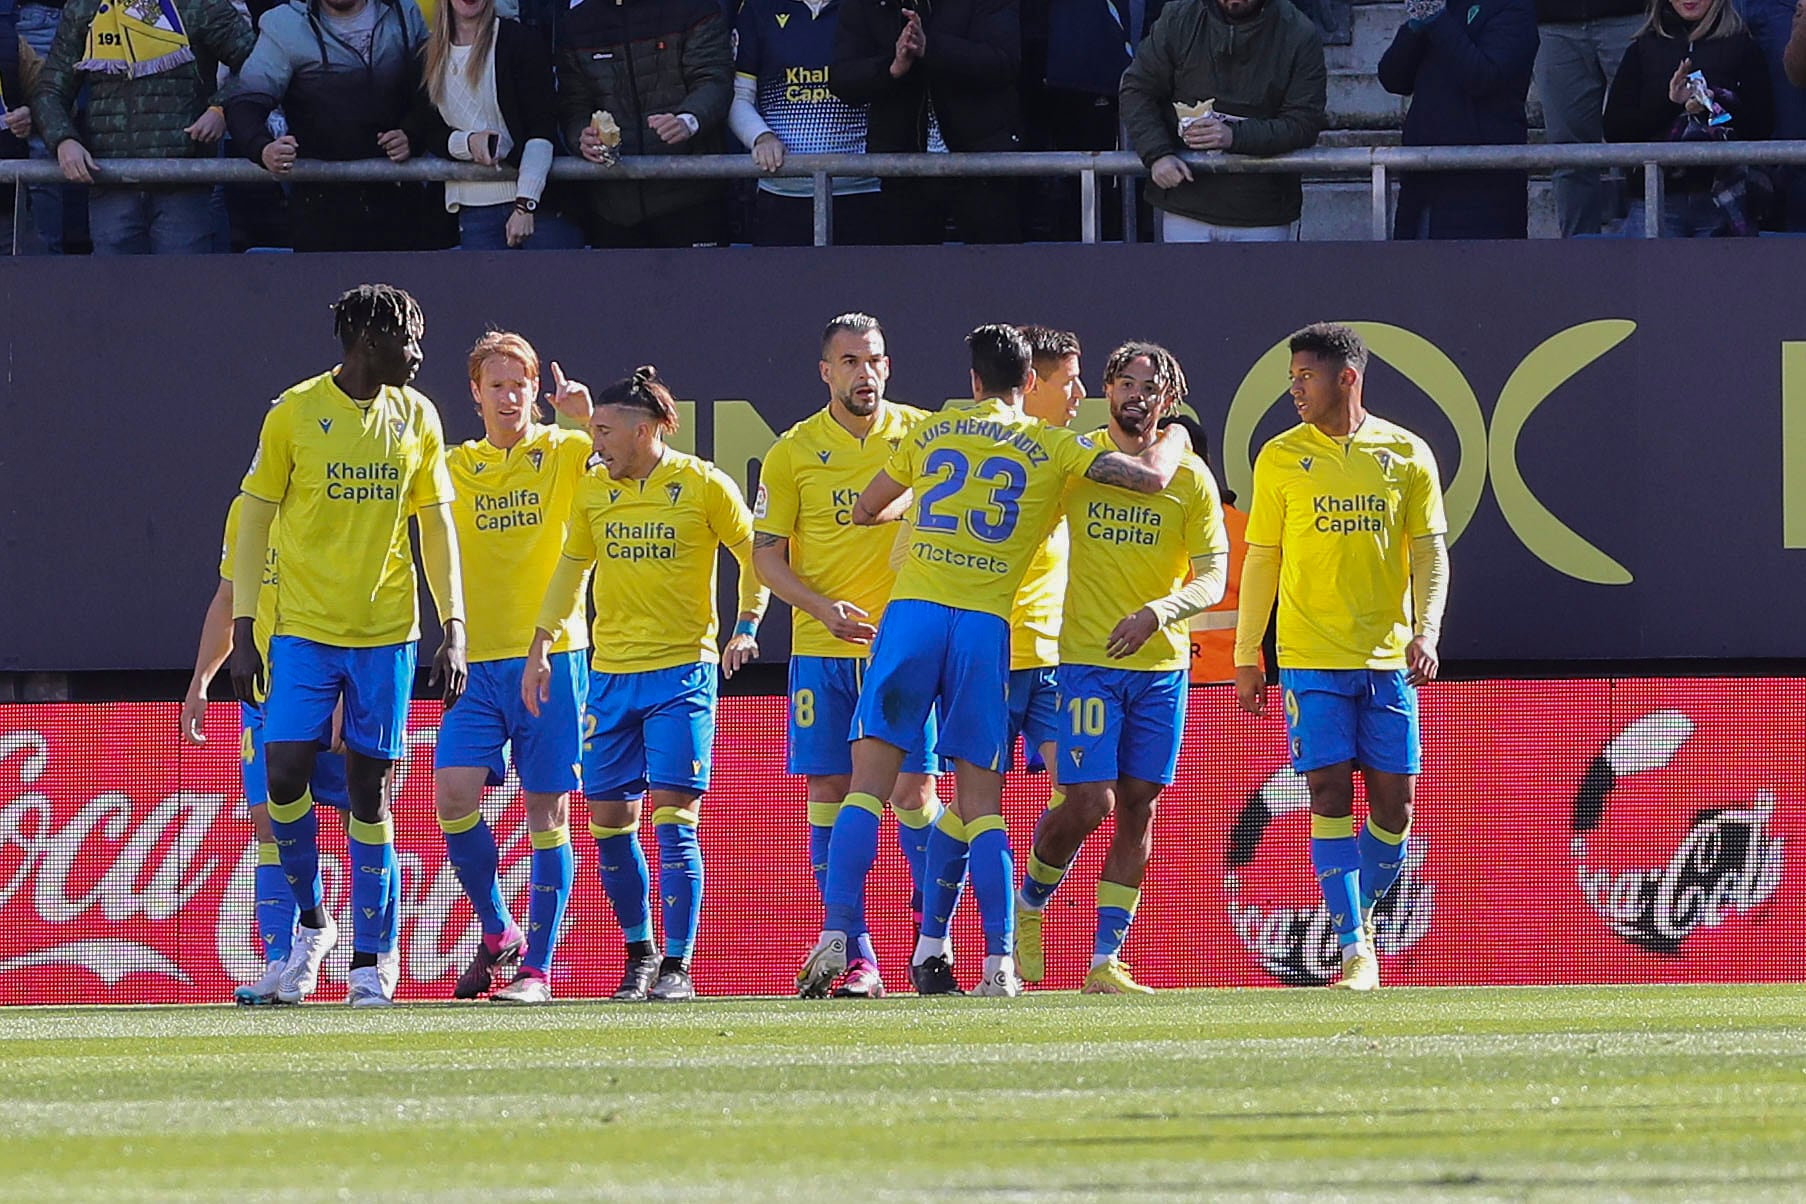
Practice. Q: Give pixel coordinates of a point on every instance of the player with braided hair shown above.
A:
(649, 518)
(347, 456)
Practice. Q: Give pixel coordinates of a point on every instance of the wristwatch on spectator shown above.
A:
(525, 204)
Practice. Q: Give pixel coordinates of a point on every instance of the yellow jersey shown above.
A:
(1035, 617)
(511, 507)
(807, 486)
(265, 622)
(653, 543)
(1132, 549)
(1343, 513)
(987, 481)
(347, 476)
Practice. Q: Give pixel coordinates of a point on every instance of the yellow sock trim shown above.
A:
(1115, 894)
(1381, 834)
(917, 817)
(675, 815)
(985, 823)
(550, 840)
(290, 813)
(381, 832)
(951, 824)
(865, 802)
(1331, 827)
(268, 854)
(464, 823)
(1045, 874)
(1056, 800)
(597, 831)
(821, 815)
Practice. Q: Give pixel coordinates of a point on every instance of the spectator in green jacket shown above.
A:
(1259, 65)
(150, 68)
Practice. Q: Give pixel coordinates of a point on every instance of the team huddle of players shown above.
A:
(958, 578)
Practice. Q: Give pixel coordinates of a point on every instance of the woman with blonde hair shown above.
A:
(487, 97)
(1655, 99)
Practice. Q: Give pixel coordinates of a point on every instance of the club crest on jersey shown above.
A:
(1385, 459)
(822, 456)
(326, 426)
(674, 491)
(1305, 462)
(894, 443)
(1078, 756)
(398, 426)
(537, 457)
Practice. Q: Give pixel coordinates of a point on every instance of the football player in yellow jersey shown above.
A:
(1346, 529)
(276, 905)
(649, 518)
(515, 487)
(347, 457)
(837, 576)
(1140, 569)
(986, 481)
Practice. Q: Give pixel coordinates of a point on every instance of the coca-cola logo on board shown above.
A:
(1726, 862)
(1288, 933)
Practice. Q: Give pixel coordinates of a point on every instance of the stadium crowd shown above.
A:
(515, 83)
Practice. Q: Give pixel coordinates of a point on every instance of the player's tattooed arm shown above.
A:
(765, 539)
(885, 500)
(1149, 472)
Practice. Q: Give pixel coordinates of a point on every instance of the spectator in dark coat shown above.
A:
(1466, 68)
(1650, 101)
(936, 78)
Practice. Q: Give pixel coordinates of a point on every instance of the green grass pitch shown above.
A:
(1630, 1093)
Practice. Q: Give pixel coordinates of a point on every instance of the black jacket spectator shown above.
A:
(960, 94)
(635, 59)
(1467, 71)
(1639, 109)
(1268, 71)
(338, 98)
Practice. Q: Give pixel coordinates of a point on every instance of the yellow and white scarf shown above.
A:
(136, 38)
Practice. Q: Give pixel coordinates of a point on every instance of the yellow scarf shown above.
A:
(136, 38)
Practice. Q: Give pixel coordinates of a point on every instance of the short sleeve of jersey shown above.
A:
(727, 512)
(1423, 504)
(579, 540)
(229, 544)
(267, 479)
(1267, 512)
(746, 40)
(902, 467)
(1205, 534)
(432, 481)
(776, 504)
(1073, 453)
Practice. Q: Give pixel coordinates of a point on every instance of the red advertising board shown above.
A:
(1590, 831)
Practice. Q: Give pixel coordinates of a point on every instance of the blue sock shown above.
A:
(373, 873)
(1337, 859)
(622, 864)
(821, 832)
(275, 905)
(945, 865)
(913, 829)
(1115, 909)
(851, 855)
(679, 878)
(1039, 879)
(553, 870)
(994, 882)
(297, 833)
(1382, 860)
(470, 847)
(394, 925)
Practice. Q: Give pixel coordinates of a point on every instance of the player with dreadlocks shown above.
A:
(347, 456)
(1138, 572)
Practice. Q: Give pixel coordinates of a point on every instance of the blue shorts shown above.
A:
(652, 730)
(307, 679)
(1034, 696)
(824, 690)
(1121, 723)
(327, 786)
(490, 723)
(926, 652)
(1368, 716)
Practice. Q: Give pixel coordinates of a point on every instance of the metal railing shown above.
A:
(1378, 163)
